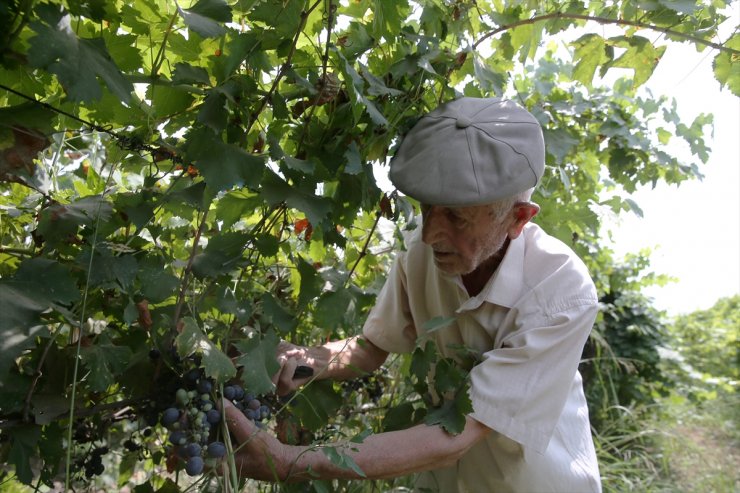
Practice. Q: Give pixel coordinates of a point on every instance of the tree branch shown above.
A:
(363, 252)
(606, 20)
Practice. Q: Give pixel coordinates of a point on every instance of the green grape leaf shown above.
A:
(192, 340)
(19, 324)
(222, 255)
(331, 309)
(47, 281)
(108, 270)
(422, 360)
(316, 403)
(185, 73)
(310, 282)
(157, 284)
(452, 413)
(223, 165)
(104, 361)
(77, 62)
(207, 17)
(236, 204)
(727, 66)
(589, 54)
(399, 417)
(257, 357)
(279, 316)
(284, 16)
(24, 441)
(275, 190)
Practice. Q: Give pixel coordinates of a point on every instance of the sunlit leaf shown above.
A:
(207, 17)
(257, 358)
(78, 62)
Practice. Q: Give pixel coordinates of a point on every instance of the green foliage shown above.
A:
(199, 179)
(622, 361)
(707, 343)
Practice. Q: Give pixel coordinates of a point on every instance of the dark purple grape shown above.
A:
(254, 404)
(213, 416)
(169, 416)
(194, 466)
(252, 414)
(192, 449)
(178, 438)
(192, 376)
(154, 354)
(238, 393)
(249, 397)
(216, 450)
(264, 412)
(205, 386)
(229, 393)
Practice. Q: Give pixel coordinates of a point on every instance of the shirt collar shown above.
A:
(505, 285)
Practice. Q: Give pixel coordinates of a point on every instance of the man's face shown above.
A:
(462, 237)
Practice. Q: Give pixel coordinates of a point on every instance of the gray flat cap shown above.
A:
(470, 151)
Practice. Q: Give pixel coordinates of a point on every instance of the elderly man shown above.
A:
(521, 300)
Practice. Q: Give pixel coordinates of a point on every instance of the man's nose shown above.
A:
(433, 225)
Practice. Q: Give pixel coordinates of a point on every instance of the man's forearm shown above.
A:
(386, 455)
(345, 359)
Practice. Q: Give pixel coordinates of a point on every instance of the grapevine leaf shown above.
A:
(275, 190)
(399, 417)
(207, 17)
(316, 403)
(108, 270)
(48, 407)
(157, 284)
(422, 360)
(451, 414)
(590, 53)
(59, 222)
(48, 280)
(25, 439)
(285, 16)
(192, 340)
(267, 244)
(77, 62)
(223, 165)
(727, 66)
(332, 308)
(18, 325)
(487, 78)
(234, 205)
(257, 357)
(223, 254)
(310, 282)
(104, 361)
(356, 89)
(279, 316)
(641, 56)
(687, 7)
(188, 74)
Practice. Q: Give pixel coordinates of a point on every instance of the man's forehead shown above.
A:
(467, 210)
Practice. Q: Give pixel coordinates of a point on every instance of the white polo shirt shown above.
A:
(528, 325)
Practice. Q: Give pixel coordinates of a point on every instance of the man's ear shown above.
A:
(523, 212)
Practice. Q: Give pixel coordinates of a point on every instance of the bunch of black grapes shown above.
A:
(193, 419)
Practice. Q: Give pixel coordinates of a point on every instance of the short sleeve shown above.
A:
(389, 324)
(520, 389)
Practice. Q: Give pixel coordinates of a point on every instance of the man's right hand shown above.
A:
(290, 358)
